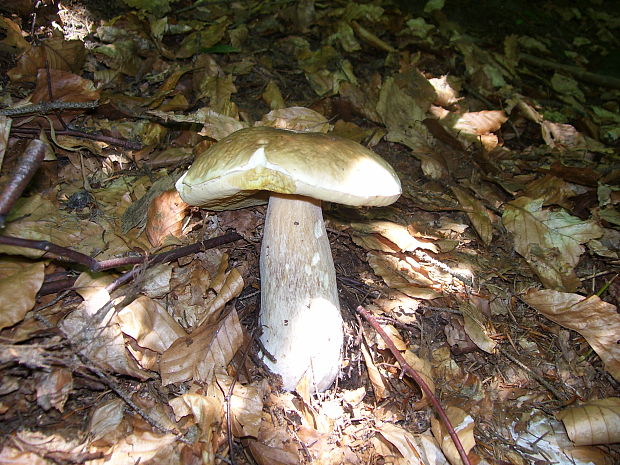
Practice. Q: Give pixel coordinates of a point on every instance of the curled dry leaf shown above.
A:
(230, 288)
(397, 234)
(379, 385)
(464, 427)
(594, 422)
(597, 321)
(165, 217)
(19, 285)
(197, 356)
(415, 449)
(399, 274)
(144, 447)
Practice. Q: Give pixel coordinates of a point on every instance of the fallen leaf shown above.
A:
(597, 321)
(594, 422)
(463, 426)
(197, 356)
(19, 285)
(165, 217)
(550, 241)
(148, 322)
(477, 213)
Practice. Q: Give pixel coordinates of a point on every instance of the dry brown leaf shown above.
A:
(266, 455)
(148, 322)
(144, 447)
(553, 190)
(379, 385)
(165, 217)
(197, 356)
(404, 441)
(477, 213)
(227, 290)
(446, 94)
(39, 219)
(594, 422)
(398, 274)
(206, 410)
(96, 334)
(463, 425)
(480, 122)
(395, 233)
(297, 119)
(550, 241)
(53, 388)
(597, 321)
(477, 327)
(19, 285)
(53, 53)
(272, 96)
(105, 421)
(13, 456)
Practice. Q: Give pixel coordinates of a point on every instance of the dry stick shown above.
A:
(85, 135)
(70, 255)
(46, 107)
(28, 164)
(418, 379)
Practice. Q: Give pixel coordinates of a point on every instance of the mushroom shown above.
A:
(302, 330)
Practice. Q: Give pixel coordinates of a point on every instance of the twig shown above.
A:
(442, 266)
(542, 381)
(419, 380)
(66, 254)
(28, 164)
(126, 144)
(47, 107)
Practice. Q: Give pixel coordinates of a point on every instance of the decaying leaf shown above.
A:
(53, 389)
(463, 425)
(477, 213)
(594, 422)
(148, 322)
(165, 217)
(399, 274)
(379, 385)
(198, 355)
(95, 333)
(206, 410)
(550, 241)
(19, 283)
(397, 234)
(404, 441)
(594, 319)
(105, 421)
(477, 327)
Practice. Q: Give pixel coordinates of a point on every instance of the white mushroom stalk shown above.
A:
(300, 315)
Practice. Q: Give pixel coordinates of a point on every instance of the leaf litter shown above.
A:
(495, 274)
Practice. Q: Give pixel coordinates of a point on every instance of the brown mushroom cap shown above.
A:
(232, 173)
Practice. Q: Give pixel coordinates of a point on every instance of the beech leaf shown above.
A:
(597, 321)
(197, 356)
(594, 422)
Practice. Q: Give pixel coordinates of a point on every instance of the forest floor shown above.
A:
(129, 320)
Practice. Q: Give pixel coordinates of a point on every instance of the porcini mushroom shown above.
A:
(300, 313)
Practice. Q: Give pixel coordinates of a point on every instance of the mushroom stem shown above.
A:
(300, 313)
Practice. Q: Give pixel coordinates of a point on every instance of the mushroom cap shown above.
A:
(240, 169)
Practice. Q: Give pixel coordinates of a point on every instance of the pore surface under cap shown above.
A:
(230, 173)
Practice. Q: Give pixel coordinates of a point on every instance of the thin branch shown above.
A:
(69, 255)
(126, 144)
(418, 379)
(27, 165)
(47, 107)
